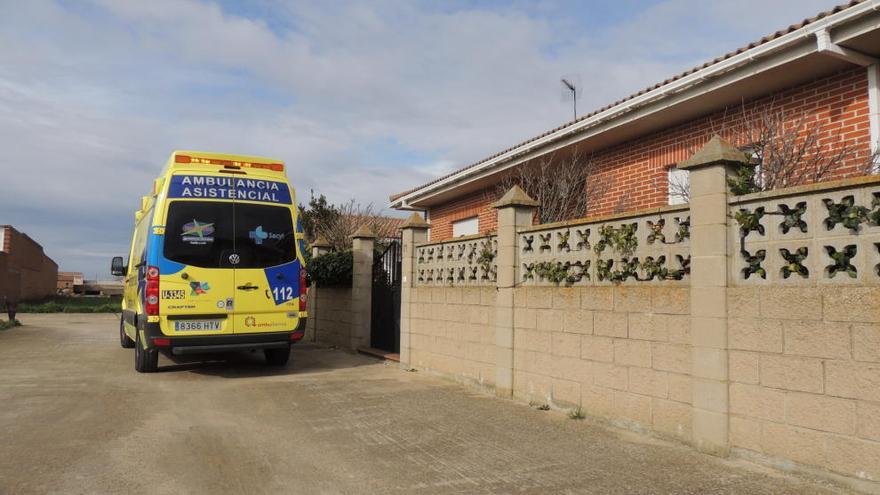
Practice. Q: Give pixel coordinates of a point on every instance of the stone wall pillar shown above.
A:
(362, 287)
(709, 170)
(515, 210)
(413, 231)
(319, 248)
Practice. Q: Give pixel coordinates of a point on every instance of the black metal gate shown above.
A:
(385, 316)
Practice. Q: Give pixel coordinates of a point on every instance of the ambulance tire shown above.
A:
(145, 360)
(124, 339)
(277, 357)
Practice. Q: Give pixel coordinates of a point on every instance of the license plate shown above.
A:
(197, 326)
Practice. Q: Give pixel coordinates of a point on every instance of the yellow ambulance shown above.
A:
(216, 262)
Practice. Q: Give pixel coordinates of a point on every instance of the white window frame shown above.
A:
(677, 176)
(466, 226)
(2, 237)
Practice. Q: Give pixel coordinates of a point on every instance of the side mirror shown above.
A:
(117, 267)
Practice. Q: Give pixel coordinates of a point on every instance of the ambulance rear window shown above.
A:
(207, 233)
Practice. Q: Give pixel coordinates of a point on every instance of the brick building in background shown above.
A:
(25, 270)
(70, 282)
(822, 72)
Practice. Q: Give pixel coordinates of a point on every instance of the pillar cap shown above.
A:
(415, 221)
(364, 233)
(321, 242)
(716, 151)
(515, 197)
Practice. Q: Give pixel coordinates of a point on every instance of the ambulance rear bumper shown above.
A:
(202, 344)
(179, 350)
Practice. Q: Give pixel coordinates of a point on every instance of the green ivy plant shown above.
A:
(794, 262)
(793, 218)
(656, 231)
(684, 229)
(563, 238)
(557, 272)
(842, 261)
(654, 268)
(877, 266)
(846, 212)
(628, 269)
(622, 240)
(874, 216)
(584, 242)
(485, 259)
(749, 221)
(554, 272)
(685, 268)
(754, 264)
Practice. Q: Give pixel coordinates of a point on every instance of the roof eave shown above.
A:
(690, 84)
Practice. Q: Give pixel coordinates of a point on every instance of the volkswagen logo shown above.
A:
(234, 259)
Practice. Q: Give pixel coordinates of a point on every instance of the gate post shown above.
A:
(709, 170)
(319, 248)
(515, 209)
(361, 287)
(413, 231)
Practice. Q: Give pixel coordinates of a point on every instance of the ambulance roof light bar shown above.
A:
(275, 167)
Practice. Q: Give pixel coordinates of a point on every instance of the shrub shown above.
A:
(332, 269)
(66, 304)
(6, 325)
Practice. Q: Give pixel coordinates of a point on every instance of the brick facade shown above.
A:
(25, 270)
(637, 169)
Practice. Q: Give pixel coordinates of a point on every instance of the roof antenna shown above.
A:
(570, 85)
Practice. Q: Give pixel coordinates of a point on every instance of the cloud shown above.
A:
(361, 99)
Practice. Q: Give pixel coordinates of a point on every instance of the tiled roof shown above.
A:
(765, 39)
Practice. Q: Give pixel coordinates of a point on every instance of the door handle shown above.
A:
(248, 286)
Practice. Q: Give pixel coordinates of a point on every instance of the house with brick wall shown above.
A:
(26, 272)
(744, 325)
(821, 73)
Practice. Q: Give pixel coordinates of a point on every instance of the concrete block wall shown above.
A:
(330, 316)
(452, 332)
(803, 345)
(780, 366)
(805, 375)
(619, 352)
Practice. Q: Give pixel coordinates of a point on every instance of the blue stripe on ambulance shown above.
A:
(166, 266)
(208, 187)
(283, 281)
(301, 243)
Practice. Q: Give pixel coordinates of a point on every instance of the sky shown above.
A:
(360, 99)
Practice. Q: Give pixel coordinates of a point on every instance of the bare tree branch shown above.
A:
(337, 223)
(565, 187)
(789, 149)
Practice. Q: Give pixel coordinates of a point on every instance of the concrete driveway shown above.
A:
(76, 418)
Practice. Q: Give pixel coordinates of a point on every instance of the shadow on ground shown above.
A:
(304, 359)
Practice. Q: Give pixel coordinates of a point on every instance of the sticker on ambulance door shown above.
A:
(197, 233)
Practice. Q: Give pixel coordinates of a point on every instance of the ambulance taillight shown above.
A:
(303, 290)
(151, 291)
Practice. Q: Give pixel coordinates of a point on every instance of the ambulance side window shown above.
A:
(139, 247)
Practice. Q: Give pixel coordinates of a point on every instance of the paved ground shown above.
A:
(76, 418)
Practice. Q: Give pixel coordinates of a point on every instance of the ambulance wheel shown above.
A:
(124, 339)
(277, 357)
(145, 360)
